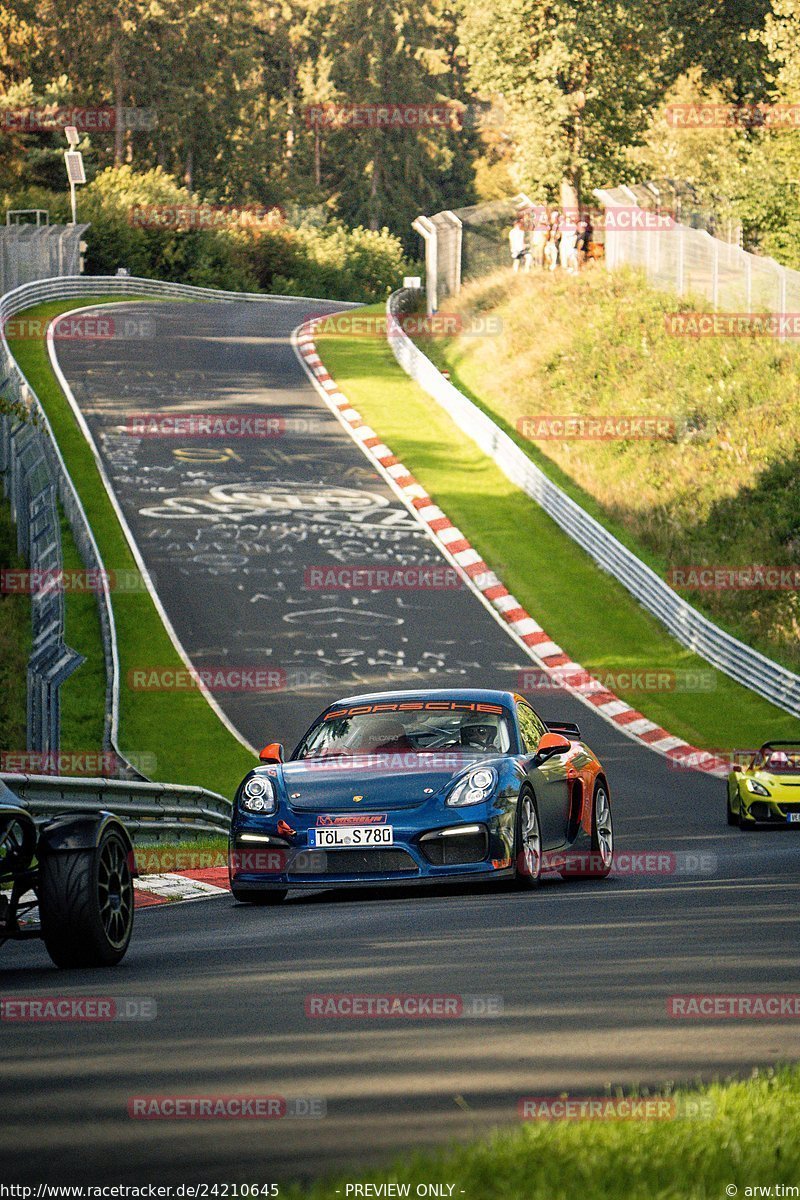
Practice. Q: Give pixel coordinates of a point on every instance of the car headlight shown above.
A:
(475, 787)
(757, 788)
(258, 796)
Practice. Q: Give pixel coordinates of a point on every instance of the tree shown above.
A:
(578, 79)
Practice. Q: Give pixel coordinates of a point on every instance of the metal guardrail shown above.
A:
(30, 491)
(688, 626)
(151, 809)
(43, 693)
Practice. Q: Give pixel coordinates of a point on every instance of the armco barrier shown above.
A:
(149, 810)
(16, 390)
(688, 626)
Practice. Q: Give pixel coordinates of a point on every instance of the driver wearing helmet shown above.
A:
(479, 734)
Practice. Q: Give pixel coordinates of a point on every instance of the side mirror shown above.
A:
(273, 753)
(552, 744)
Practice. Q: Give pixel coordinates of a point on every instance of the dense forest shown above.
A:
(270, 105)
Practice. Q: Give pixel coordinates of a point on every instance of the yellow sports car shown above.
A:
(766, 789)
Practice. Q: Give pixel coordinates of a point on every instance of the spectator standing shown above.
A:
(517, 243)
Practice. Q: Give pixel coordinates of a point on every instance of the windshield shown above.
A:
(344, 733)
(781, 762)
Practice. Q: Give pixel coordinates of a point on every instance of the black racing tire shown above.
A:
(733, 818)
(527, 866)
(601, 855)
(603, 838)
(263, 897)
(86, 903)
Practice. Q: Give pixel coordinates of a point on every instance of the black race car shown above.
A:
(76, 873)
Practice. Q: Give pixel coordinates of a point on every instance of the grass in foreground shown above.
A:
(184, 734)
(723, 490)
(585, 610)
(749, 1139)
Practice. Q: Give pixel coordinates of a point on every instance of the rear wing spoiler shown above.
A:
(568, 728)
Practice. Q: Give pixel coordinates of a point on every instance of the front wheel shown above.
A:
(86, 903)
(528, 848)
(732, 816)
(254, 896)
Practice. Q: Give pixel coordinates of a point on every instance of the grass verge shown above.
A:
(722, 488)
(586, 611)
(725, 1150)
(180, 730)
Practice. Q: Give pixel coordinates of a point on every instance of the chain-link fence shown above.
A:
(29, 252)
(692, 262)
(463, 244)
(661, 226)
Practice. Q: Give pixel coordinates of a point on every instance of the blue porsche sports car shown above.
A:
(441, 785)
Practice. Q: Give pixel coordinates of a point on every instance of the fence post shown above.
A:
(427, 230)
(782, 310)
(748, 282)
(455, 272)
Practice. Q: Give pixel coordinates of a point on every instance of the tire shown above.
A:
(86, 903)
(733, 818)
(260, 898)
(602, 830)
(527, 843)
(601, 855)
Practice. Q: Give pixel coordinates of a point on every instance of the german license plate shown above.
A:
(342, 836)
(793, 818)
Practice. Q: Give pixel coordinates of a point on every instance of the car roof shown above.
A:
(486, 695)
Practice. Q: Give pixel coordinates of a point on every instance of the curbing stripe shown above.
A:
(519, 623)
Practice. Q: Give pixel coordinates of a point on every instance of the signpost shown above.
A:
(74, 164)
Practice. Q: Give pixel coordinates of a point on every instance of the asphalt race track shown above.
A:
(580, 972)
